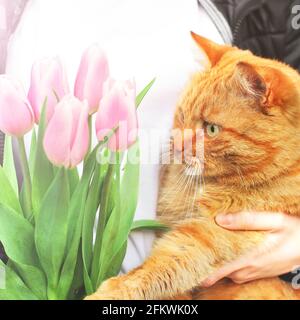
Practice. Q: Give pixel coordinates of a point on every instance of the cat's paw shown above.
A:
(113, 289)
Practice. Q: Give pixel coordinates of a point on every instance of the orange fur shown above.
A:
(252, 164)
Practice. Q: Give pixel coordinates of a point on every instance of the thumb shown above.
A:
(260, 221)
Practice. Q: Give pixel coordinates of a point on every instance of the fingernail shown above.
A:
(224, 219)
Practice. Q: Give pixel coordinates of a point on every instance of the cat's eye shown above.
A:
(212, 130)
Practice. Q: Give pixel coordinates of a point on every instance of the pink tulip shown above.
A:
(48, 79)
(66, 138)
(117, 108)
(16, 116)
(92, 73)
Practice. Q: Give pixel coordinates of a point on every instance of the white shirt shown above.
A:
(143, 39)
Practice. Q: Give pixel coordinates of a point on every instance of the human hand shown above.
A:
(278, 254)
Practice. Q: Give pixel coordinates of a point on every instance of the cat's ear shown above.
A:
(212, 51)
(249, 82)
(266, 84)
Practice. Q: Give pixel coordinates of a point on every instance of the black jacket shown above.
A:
(262, 26)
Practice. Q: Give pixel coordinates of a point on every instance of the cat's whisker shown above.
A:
(188, 180)
(202, 184)
(188, 189)
(183, 188)
(178, 176)
(198, 178)
(191, 196)
(177, 185)
(195, 189)
(173, 205)
(165, 158)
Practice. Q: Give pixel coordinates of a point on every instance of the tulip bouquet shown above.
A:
(65, 225)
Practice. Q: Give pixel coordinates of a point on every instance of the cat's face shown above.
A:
(248, 109)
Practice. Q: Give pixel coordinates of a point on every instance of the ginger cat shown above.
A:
(249, 110)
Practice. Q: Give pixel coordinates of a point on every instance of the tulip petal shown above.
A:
(66, 139)
(57, 137)
(16, 116)
(48, 78)
(117, 108)
(80, 142)
(92, 73)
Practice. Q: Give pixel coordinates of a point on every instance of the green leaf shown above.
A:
(76, 212)
(88, 285)
(8, 196)
(143, 93)
(34, 278)
(43, 174)
(148, 224)
(118, 226)
(15, 288)
(22, 201)
(106, 208)
(111, 230)
(23, 294)
(32, 153)
(73, 179)
(92, 205)
(9, 164)
(129, 194)
(79, 195)
(115, 265)
(26, 183)
(51, 228)
(77, 288)
(17, 236)
(69, 266)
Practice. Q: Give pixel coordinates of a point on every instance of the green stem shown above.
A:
(90, 133)
(118, 174)
(118, 178)
(51, 294)
(26, 179)
(103, 217)
(90, 138)
(105, 264)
